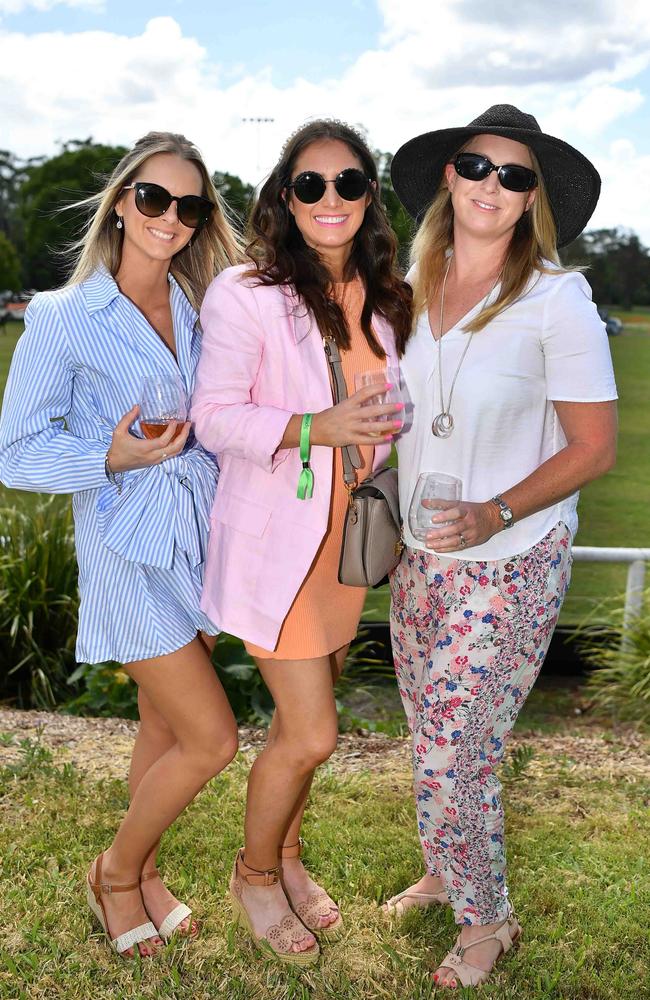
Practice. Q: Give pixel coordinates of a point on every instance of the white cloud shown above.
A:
(436, 64)
(625, 199)
(17, 6)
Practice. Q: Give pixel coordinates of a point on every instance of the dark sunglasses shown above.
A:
(309, 187)
(512, 176)
(153, 200)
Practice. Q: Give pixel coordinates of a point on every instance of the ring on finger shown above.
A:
(164, 455)
(463, 543)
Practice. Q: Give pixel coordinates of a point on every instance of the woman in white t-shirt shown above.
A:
(512, 391)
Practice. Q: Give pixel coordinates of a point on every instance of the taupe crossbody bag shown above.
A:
(372, 533)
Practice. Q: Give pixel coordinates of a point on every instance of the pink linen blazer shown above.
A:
(262, 360)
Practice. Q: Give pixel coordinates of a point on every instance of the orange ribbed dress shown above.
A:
(325, 613)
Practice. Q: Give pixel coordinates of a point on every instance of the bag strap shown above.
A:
(350, 453)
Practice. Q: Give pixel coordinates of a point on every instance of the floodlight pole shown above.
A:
(258, 120)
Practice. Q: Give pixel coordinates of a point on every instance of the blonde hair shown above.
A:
(533, 243)
(213, 247)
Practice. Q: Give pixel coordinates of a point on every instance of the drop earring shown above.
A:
(118, 224)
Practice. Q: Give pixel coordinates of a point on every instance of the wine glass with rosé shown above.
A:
(381, 377)
(162, 401)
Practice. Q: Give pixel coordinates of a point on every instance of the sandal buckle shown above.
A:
(106, 887)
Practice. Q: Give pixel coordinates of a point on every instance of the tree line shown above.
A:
(34, 231)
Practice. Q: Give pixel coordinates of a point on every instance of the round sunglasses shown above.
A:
(153, 200)
(512, 176)
(350, 184)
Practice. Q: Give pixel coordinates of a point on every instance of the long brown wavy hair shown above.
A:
(281, 256)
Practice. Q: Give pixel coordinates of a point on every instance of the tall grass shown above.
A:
(621, 681)
(38, 603)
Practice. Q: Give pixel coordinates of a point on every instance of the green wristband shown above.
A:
(306, 481)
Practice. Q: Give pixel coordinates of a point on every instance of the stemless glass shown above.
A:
(162, 400)
(430, 488)
(392, 395)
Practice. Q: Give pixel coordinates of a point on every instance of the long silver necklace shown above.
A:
(443, 423)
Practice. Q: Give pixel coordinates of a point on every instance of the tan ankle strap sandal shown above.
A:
(507, 934)
(291, 850)
(279, 938)
(98, 888)
(318, 903)
(175, 917)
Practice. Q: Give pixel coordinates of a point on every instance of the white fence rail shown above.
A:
(636, 560)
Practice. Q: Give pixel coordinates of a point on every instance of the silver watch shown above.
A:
(505, 511)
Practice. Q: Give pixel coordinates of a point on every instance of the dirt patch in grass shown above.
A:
(101, 748)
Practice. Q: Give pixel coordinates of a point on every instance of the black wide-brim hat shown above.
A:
(571, 181)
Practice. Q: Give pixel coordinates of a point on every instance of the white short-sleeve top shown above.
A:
(548, 345)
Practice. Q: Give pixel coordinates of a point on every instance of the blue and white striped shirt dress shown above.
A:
(76, 370)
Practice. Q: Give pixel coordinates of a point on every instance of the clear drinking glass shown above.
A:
(392, 395)
(162, 400)
(431, 487)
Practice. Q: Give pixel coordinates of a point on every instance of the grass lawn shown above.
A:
(613, 510)
(578, 842)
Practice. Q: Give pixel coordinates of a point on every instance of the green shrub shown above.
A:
(38, 603)
(621, 656)
(108, 691)
(38, 625)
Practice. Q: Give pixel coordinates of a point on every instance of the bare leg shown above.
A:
(183, 689)
(297, 881)
(305, 732)
(337, 662)
(154, 739)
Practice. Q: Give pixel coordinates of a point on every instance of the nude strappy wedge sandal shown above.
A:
(279, 938)
(507, 934)
(318, 903)
(94, 894)
(175, 917)
(404, 901)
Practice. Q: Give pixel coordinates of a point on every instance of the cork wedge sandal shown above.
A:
(318, 903)
(507, 934)
(404, 901)
(95, 890)
(279, 938)
(172, 922)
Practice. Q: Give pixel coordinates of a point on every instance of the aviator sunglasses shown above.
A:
(309, 187)
(512, 176)
(153, 200)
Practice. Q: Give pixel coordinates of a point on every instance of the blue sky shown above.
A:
(114, 70)
(296, 39)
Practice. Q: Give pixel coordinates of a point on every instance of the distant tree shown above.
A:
(79, 170)
(12, 175)
(400, 220)
(618, 266)
(237, 195)
(9, 265)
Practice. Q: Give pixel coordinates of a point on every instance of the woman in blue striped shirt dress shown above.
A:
(70, 425)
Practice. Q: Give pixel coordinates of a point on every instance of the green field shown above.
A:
(613, 510)
(578, 831)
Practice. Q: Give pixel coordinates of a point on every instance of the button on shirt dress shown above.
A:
(76, 371)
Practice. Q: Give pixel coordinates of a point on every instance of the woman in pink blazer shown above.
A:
(322, 266)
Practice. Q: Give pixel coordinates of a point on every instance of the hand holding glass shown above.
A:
(430, 488)
(392, 395)
(162, 400)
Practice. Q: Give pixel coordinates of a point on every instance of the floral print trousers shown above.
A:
(469, 639)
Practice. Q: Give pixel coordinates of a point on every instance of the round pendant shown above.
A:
(443, 425)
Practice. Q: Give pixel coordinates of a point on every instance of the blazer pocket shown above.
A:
(241, 514)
